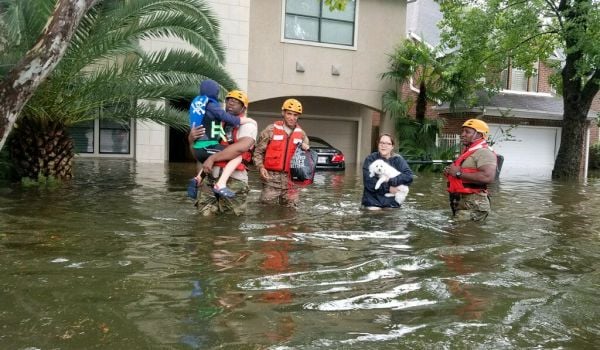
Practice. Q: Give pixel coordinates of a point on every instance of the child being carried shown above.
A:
(206, 110)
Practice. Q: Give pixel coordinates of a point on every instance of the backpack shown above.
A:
(198, 110)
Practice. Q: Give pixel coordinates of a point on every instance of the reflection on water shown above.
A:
(119, 259)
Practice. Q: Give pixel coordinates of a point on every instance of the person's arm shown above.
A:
(406, 176)
(368, 181)
(486, 174)
(486, 169)
(231, 151)
(194, 134)
(221, 115)
(305, 143)
(261, 149)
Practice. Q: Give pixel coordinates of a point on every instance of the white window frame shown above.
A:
(320, 44)
(96, 144)
(510, 70)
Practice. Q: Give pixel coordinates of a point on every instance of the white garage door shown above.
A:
(342, 134)
(528, 151)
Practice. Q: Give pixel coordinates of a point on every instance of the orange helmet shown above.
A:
(238, 95)
(479, 126)
(293, 105)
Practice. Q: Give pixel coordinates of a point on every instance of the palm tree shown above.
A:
(105, 67)
(415, 62)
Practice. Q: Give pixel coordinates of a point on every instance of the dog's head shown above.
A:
(377, 167)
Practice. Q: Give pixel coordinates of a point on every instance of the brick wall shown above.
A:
(409, 95)
(544, 73)
(595, 108)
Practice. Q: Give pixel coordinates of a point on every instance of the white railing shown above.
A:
(447, 140)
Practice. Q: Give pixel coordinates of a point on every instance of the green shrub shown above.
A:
(594, 162)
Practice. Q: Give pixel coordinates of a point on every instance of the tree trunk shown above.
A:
(41, 150)
(569, 157)
(421, 103)
(21, 82)
(578, 95)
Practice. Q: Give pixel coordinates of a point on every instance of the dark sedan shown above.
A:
(329, 157)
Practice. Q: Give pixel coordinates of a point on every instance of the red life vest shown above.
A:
(456, 185)
(281, 147)
(231, 137)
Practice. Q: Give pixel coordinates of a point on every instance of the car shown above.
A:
(329, 157)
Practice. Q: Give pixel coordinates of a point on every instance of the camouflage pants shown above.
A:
(209, 204)
(279, 189)
(474, 207)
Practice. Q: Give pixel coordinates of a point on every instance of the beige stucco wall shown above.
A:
(353, 94)
(265, 66)
(272, 63)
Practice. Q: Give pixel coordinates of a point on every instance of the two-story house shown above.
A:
(277, 49)
(525, 117)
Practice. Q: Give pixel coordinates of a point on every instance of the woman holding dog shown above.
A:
(376, 199)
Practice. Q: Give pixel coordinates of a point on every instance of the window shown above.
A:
(114, 137)
(311, 20)
(102, 136)
(83, 136)
(515, 79)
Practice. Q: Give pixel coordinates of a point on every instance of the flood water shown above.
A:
(119, 259)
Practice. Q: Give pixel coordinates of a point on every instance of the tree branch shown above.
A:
(20, 83)
(522, 42)
(590, 89)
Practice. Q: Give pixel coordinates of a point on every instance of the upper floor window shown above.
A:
(515, 79)
(311, 20)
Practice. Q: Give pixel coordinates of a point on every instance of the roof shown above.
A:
(422, 17)
(520, 105)
(540, 103)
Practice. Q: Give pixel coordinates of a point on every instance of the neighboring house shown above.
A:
(276, 49)
(527, 108)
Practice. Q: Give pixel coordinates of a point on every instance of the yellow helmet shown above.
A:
(238, 95)
(292, 105)
(479, 126)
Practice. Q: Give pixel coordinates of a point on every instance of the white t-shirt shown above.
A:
(245, 130)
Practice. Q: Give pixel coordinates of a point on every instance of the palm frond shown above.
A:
(105, 64)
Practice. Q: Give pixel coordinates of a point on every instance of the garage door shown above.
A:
(528, 151)
(342, 134)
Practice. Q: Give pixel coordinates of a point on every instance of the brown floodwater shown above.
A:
(119, 259)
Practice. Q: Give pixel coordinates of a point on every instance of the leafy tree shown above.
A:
(339, 5)
(104, 66)
(486, 34)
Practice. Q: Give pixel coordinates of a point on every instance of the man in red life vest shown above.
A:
(469, 175)
(240, 141)
(273, 154)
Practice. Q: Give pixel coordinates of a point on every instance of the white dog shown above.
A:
(385, 172)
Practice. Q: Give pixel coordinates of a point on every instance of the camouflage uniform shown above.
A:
(475, 206)
(279, 189)
(208, 204)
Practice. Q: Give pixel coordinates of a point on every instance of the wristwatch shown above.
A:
(458, 174)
